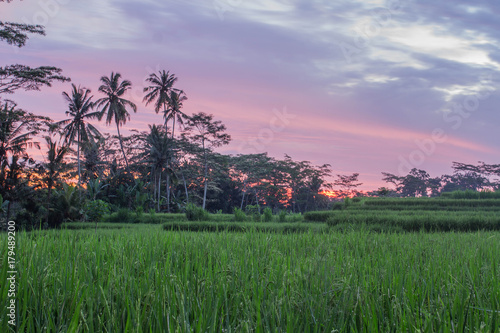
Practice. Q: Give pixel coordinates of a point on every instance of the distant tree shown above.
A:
(462, 181)
(416, 183)
(173, 111)
(162, 93)
(52, 169)
(302, 180)
(481, 169)
(93, 159)
(80, 107)
(382, 192)
(249, 170)
(162, 84)
(209, 134)
(18, 128)
(114, 106)
(347, 183)
(156, 155)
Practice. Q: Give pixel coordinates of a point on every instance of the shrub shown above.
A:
(195, 213)
(139, 210)
(347, 202)
(295, 217)
(268, 214)
(282, 216)
(123, 215)
(239, 215)
(338, 206)
(253, 212)
(95, 210)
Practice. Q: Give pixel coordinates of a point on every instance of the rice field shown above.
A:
(146, 279)
(413, 215)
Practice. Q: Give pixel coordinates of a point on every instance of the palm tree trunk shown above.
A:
(243, 196)
(159, 192)
(79, 170)
(121, 146)
(168, 192)
(185, 186)
(78, 158)
(155, 183)
(206, 175)
(173, 128)
(49, 193)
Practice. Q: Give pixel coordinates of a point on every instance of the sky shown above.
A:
(366, 86)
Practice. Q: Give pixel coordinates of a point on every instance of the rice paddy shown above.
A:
(146, 279)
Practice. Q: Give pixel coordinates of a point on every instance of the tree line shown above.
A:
(163, 168)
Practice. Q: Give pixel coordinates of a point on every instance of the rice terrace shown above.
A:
(249, 166)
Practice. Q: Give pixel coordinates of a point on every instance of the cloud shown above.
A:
(409, 63)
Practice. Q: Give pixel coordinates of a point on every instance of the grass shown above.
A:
(412, 221)
(100, 225)
(244, 227)
(152, 281)
(413, 214)
(125, 216)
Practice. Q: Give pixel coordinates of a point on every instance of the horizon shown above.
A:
(416, 86)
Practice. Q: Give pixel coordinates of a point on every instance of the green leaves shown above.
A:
(15, 77)
(16, 33)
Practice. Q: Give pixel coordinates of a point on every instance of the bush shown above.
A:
(295, 217)
(253, 212)
(95, 210)
(139, 210)
(338, 206)
(195, 213)
(123, 215)
(347, 202)
(268, 214)
(282, 216)
(239, 215)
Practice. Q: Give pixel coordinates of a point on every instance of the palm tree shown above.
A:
(173, 112)
(162, 93)
(17, 129)
(53, 168)
(80, 107)
(158, 91)
(113, 105)
(157, 155)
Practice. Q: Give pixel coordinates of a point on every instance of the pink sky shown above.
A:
(246, 62)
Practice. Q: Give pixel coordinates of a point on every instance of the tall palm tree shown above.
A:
(173, 112)
(114, 106)
(162, 93)
(158, 92)
(157, 155)
(80, 109)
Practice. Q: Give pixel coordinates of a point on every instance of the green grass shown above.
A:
(148, 280)
(124, 216)
(419, 220)
(100, 225)
(411, 203)
(244, 227)
(413, 214)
